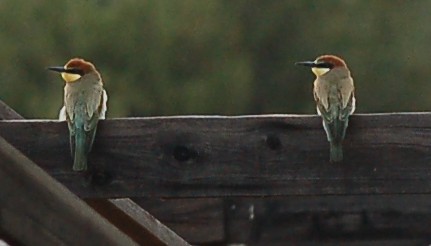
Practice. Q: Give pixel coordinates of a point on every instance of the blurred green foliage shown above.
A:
(170, 57)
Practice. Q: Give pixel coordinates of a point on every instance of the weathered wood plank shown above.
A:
(281, 221)
(37, 210)
(403, 203)
(136, 222)
(266, 221)
(198, 221)
(124, 220)
(235, 156)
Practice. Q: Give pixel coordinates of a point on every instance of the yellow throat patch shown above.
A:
(69, 77)
(320, 71)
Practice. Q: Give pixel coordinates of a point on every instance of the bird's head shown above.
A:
(75, 69)
(323, 64)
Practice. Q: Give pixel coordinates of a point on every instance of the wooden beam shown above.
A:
(267, 221)
(37, 210)
(138, 223)
(296, 219)
(235, 156)
(198, 221)
(228, 156)
(124, 220)
(406, 207)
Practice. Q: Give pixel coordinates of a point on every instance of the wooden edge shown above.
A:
(138, 223)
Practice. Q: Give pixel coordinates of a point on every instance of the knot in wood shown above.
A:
(183, 153)
(273, 142)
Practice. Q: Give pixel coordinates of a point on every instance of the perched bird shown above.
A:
(84, 104)
(335, 99)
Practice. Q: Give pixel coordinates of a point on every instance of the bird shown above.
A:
(85, 103)
(334, 93)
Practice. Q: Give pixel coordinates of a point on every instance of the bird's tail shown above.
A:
(336, 130)
(80, 158)
(336, 152)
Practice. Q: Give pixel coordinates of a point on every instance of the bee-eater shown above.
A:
(335, 99)
(84, 104)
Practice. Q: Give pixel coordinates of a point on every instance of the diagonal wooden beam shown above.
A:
(37, 210)
(142, 231)
(139, 224)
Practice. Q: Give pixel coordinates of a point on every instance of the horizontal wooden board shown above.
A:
(216, 156)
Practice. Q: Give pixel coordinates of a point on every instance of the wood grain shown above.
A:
(298, 220)
(137, 223)
(198, 221)
(270, 155)
(143, 231)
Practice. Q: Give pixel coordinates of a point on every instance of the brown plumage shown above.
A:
(335, 100)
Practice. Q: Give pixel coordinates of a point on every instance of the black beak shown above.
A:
(57, 69)
(305, 63)
(313, 64)
(67, 70)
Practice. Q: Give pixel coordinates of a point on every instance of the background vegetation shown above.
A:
(170, 57)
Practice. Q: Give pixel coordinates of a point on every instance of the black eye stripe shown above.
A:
(75, 71)
(324, 65)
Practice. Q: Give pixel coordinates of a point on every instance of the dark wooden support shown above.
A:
(277, 164)
(138, 223)
(198, 221)
(37, 210)
(298, 219)
(235, 156)
(140, 231)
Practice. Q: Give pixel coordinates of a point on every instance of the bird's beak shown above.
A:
(57, 69)
(306, 63)
(67, 70)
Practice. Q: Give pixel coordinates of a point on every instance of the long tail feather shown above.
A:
(335, 132)
(80, 158)
(335, 152)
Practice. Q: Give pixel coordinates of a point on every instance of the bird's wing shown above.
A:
(94, 99)
(99, 113)
(322, 104)
(349, 109)
(62, 113)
